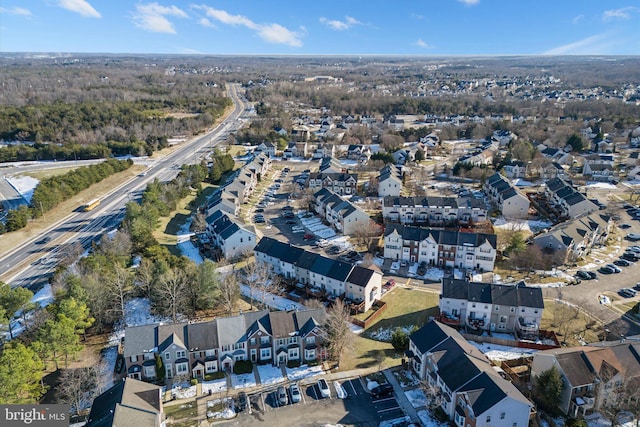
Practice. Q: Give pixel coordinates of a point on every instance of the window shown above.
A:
(211, 366)
(150, 371)
(293, 340)
(181, 369)
(497, 308)
(167, 356)
(264, 340)
(502, 415)
(238, 346)
(134, 358)
(503, 319)
(294, 353)
(488, 418)
(181, 354)
(513, 309)
(310, 354)
(210, 353)
(310, 340)
(253, 341)
(265, 353)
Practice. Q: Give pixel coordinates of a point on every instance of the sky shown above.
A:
(306, 27)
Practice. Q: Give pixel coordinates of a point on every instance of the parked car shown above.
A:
(622, 262)
(634, 248)
(323, 386)
(614, 268)
(625, 226)
(282, 396)
(584, 275)
(295, 393)
(627, 293)
(636, 286)
(308, 236)
(634, 237)
(630, 256)
(45, 239)
(243, 401)
(382, 390)
(605, 270)
(290, 221)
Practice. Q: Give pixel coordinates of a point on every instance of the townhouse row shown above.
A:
(569, 202)
(339, 213)
(197, 349)
(508, 199)
(440, 248)
(322, 275)
(511, 308)
(437, 211)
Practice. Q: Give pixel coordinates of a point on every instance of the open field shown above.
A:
(571, 324)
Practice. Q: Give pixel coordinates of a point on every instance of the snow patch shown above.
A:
(416, 397)
(304, 371)
(272, 300)
(227, 413)
(428, 421)
(186, 246)
(502, 352)
(270, 374)
(183, 391)
(216, 386)
(25, 185)
(243, 381)
(384, 334)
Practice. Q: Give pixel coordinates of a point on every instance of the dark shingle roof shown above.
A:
(137, 398)
(360, 276)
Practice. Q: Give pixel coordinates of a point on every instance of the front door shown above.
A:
(254, 355)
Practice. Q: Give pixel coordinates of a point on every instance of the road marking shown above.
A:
(389, 409)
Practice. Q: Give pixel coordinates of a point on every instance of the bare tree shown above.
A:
(169, 293)
(145, 277)
(258, 276)
(367, 234)
(336, 332)
(229, 292)
(119, 285)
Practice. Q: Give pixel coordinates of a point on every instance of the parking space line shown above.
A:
(388, 409)
(355, 393)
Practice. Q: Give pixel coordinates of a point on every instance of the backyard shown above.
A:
(570, 323)
(406, 308)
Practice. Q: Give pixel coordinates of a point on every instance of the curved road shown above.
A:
(85, 227)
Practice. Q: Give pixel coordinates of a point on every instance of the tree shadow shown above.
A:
(173, 226)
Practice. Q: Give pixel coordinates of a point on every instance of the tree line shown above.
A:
(52, 191)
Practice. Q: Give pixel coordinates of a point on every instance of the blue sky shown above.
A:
(306, 27)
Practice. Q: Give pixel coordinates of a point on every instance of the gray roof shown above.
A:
(513, 295)
(129, 403)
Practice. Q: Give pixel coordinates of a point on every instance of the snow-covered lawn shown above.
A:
(416, 397)
(428, 421)
(221, 409)
(183, 391)
(42, 298)
(274, 301)
(527, 226)
(243, 381)
(186, 246)
(395, 422)
(270, 374)
(384, 334)
(137, 312)
(304, 371)
(215, 386)
(502, 352)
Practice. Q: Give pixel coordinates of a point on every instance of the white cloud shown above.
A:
(622, 14)
(81, 7)
(205, 22)
(337, 25)
(271, 33)
(577, 19)
(417, 15)
(15, 11)
(423, 44)
(469, 2)
(153, 17)
(593, 45)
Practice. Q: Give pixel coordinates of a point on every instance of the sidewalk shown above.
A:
(400, 396)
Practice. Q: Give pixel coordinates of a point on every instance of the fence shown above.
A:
(379, 307)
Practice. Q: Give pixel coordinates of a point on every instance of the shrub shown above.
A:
(293, 364)
(243, 367)
(194, 381)
(214, 376)
(314, 362)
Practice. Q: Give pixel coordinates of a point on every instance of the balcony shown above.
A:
(449, 319)
(527, 328)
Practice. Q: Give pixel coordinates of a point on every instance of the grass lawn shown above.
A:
(180, 411)
(405, 307)
(569, 323)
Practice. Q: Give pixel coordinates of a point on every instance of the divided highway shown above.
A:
(85, 227)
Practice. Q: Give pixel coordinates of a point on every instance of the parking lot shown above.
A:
(357, 408)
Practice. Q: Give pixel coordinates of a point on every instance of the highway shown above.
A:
(61, 239)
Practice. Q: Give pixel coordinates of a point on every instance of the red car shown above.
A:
(308, 236)
(390, 284)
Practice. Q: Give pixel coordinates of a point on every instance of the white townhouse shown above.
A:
(567, 200)
(442, 248)
(435, 211)
(390, 181)
(507, 198)
(317, 273)
(267, 148)
(462, 381)
(512, 308)
(229, 235)
(340, 213)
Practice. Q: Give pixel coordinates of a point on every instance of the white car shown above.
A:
(633, 236)
(324, 388)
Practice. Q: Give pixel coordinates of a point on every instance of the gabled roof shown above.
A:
(130, 402)
(513, 295)
(202, 335)
(443, 237)
(360, 276)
